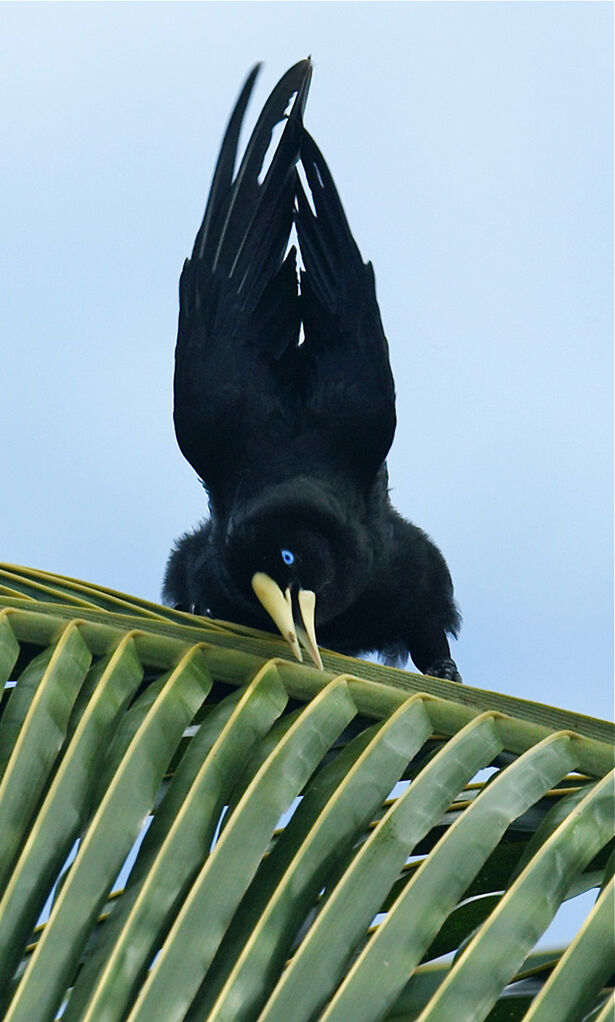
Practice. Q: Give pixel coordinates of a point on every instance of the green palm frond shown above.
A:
(359, 843)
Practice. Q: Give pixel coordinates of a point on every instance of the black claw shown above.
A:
(444, 668)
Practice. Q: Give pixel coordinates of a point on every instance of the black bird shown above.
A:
(285, 407)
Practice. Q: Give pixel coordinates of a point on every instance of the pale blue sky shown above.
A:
(472, 147)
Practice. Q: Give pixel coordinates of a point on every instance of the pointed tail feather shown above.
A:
(223, 174)
(246, 188)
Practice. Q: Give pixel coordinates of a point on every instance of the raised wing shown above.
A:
(238, 295)
(351, 395)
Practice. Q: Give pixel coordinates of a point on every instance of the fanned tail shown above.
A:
(247, 223)
(238, 292)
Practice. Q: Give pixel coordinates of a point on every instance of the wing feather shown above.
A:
(223, 174)
(352, 393)
(238, 293)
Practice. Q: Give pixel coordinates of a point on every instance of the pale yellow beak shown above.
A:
(307, 606)
(279, 607)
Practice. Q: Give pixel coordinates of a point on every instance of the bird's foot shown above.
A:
(444, 668)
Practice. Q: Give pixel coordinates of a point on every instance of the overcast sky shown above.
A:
(471, 144)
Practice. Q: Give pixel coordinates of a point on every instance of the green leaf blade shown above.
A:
(345, 815)
(64, 808)
(403, 937)
(357, 898)
(189, 949)
(499, 948)
(179, 843)
(105, 846)
(46, 713)
(583, 969)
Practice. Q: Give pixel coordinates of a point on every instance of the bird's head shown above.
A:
(298, 564)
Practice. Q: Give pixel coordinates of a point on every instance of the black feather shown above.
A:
(290, 438)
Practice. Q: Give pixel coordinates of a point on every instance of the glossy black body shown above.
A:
(285, 407)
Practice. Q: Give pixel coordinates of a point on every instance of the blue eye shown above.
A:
(287, 557)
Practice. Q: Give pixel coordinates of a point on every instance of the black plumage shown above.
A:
(284, 404)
